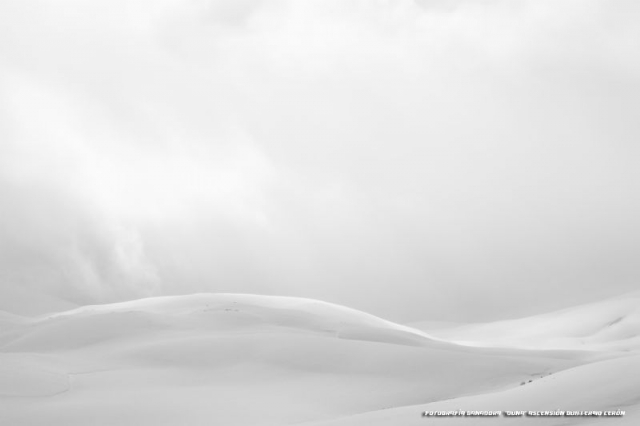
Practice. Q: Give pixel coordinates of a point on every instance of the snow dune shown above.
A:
(262, 360)
(605, 385)
(613, 324)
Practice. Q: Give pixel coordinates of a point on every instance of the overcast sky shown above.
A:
(451, 160)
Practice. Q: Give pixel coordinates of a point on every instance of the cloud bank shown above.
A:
(431, 159)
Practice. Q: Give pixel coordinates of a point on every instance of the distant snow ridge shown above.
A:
(232, 312)
(612, 324)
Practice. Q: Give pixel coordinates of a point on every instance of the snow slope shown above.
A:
(260, 360)
(609, 385)
(612, 324)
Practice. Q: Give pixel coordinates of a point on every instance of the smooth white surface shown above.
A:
(261, 360)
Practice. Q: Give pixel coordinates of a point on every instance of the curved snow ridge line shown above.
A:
(608, 325)
(200, 302)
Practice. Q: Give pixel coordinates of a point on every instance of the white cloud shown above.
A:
(377, 154)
